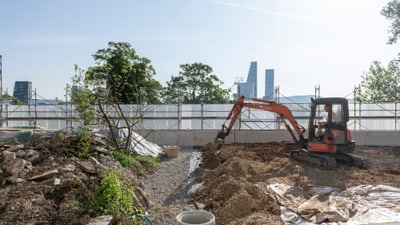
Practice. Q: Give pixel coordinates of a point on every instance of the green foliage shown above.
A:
(381, 84)
(148, 160)
(195, 84)
(119, 77)
(84, 142)
(14, 101)
(122, 76)
(125, 160)
(114, 196)
(392, 12)
(139, 161)
(82, 97)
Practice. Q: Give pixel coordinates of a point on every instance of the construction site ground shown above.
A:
(236, 176)
(231, 183)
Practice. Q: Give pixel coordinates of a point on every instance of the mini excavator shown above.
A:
(329, 140)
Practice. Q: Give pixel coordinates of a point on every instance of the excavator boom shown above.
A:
(271, 106)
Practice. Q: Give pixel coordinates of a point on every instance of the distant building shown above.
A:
(23, 91)
(269, 84)
(249, 88)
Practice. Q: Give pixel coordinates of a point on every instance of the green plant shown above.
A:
(59, 135)
(84, 142)
(125, 160)
(115, 196)
(139, 162)
(149, 160)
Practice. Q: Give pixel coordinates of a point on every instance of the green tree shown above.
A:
(14, 101)
(122, 76)
(392, 12)
(195, 84)
(119, 77)
(82, 98)
(381, 84)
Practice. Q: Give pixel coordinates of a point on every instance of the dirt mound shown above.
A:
(43, 183)
(236, 175)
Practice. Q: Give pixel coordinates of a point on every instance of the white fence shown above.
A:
(383, 116)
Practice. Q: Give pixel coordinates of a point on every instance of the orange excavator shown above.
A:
(329, 140)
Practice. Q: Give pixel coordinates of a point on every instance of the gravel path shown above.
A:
(168, 187)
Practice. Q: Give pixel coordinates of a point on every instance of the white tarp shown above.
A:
(142, 146)
(364, 204)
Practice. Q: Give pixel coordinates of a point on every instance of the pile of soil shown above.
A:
(44, 182)
(39, 183)
(234, 183)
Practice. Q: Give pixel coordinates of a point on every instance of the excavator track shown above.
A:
(326, 161)
(321, 161)
(349, 160)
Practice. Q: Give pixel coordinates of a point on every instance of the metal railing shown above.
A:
(377, 116)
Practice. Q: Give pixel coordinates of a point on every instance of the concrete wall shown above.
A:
(202, 137)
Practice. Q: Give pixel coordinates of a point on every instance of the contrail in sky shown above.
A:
(268, 11)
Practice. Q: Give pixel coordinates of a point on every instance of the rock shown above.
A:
(14, 180)
(44, 175)
(16, 167)
(100, 150)
(142, 198)
(68, 168)
(16, 148)
(100, 168)
(29, 155)
(7, 156)
(101, 220)
(87, 167)
(57, 181)
(11, 164)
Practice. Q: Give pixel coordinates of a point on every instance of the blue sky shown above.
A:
(308, 42)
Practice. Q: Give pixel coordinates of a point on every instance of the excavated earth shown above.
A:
(232, 181)
(236, 176)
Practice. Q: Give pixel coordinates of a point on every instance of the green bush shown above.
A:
(140, 162)
(84, 143)
(114, 196)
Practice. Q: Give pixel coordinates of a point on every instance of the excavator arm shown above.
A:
(270, 106)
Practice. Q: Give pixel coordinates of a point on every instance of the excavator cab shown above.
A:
(328, 132)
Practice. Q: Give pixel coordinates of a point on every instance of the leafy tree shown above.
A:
(119, 77)
(381, 84)
(392, 12)
(82, 98)
(195, 84)
(123, 76)
(14, 101)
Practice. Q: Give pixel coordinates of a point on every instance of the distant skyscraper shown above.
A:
(23, 91)
(249, 88)
(269, 84)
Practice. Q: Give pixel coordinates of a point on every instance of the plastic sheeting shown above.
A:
(142, 146)
(364, 204)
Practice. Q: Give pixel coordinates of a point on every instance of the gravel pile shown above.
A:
(168, 186)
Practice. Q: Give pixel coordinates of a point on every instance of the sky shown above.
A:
(308, 43)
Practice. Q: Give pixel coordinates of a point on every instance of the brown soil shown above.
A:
(234, 182)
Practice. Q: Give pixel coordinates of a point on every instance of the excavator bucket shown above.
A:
(215, 146)
(290, 146)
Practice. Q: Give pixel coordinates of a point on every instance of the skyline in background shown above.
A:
(308, 43)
